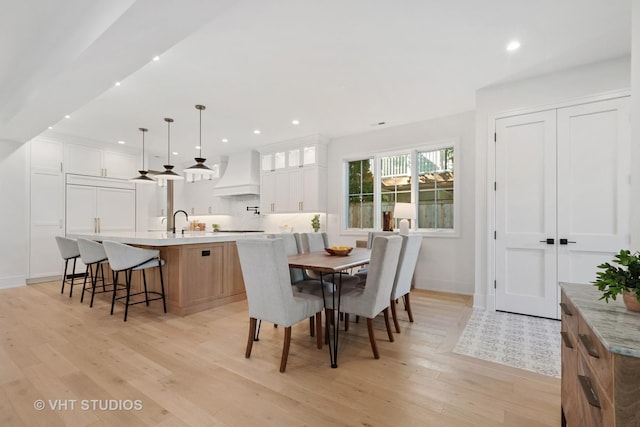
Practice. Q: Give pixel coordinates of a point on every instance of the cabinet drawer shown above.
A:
(598, 358)
(594, 403)
(569, 314)
(569, 386)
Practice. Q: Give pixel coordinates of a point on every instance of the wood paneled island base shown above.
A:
(199, 272)
(201, 276)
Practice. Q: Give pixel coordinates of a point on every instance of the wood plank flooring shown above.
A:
(191, 371)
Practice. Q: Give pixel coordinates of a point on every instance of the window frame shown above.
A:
(413, 150)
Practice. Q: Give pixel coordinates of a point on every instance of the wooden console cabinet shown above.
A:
(600, 383)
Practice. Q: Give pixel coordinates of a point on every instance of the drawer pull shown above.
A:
(566, 339)
(586, 341)
(589, 392)
(565, 309)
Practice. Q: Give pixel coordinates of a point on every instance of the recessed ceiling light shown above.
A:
(121, 142)
(67, 116)
(117, 83)
(197, 147)
(50, 127)
(225, 140)
(513, 46)
(175, 153)
(295, 122)
(156, 58)
(257, 131)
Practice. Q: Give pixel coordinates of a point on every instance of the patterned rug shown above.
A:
(516, 340)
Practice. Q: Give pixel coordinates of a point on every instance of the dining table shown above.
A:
(335, 266)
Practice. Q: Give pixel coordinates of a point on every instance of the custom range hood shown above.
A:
(242, 176)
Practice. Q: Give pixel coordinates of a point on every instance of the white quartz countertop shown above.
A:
(617, 327)
(163, 238)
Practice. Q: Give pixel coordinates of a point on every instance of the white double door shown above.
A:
(561, 200)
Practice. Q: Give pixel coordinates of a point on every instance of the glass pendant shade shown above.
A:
(168, 173)
(143, 178)
(200, 168)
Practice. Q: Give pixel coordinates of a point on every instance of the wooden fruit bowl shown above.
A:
(339, 250)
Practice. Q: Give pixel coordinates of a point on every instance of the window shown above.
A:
(360, 194)
(435, 188)
(395, 182)
(424, 177)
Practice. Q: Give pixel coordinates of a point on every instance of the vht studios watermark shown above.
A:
(88, 405)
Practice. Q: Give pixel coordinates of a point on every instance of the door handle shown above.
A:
(548, 241)
(566, 241)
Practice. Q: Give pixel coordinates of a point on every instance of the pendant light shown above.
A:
(168, 173)
(143, 178)
(200, 167)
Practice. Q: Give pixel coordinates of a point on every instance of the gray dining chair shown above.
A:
(402, 284)
(270, 296)
(375, 297)
(299, 281)
(362, 273)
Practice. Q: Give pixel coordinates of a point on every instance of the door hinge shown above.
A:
(495, 235)
(495, 186)
(494, 285)
(495, 137)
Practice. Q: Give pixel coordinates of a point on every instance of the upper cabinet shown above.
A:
(95, 161)
(310, 153)
(293, 176)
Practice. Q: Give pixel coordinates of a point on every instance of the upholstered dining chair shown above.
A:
(68, 251)
(299, 282)
(404, 275)
(362, 274)
(375, 297)
(270, 295)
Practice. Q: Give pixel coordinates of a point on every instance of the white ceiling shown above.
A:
(338, 66)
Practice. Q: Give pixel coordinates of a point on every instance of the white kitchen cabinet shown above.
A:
(46, 211)
(297, 190)
(95, 161)
(275, 192)
(308, 189)
(95, 205)
(198, 197)
(293, 176)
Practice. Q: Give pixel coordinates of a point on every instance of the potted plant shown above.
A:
(315, 223)
(622, 277)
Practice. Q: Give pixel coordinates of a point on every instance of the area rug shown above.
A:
(515, 340)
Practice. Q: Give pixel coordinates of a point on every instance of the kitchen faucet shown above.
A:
(174, 219)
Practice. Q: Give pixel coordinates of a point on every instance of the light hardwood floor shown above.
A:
(191, 371)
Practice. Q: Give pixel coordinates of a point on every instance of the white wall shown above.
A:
(445, 263)
(635, 123)
(14, 214)
(538, 91)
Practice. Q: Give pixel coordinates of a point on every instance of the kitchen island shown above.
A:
(201, 271)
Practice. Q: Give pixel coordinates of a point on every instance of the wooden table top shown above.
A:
(322, 261)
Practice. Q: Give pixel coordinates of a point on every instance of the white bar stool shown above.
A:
(68, 250)
(128, 258)
(93, 255)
